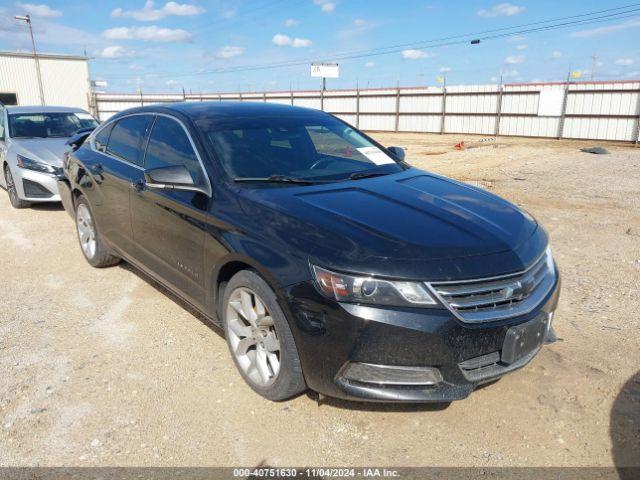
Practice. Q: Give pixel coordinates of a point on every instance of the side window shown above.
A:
(169, 146)
(102, 138)
(2, 124)
(125, 141)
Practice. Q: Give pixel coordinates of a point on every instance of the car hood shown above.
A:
(408, 224)
(47, 150)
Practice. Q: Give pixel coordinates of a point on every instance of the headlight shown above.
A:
(356, 289)
(28, 164)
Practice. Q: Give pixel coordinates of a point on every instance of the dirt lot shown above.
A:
(100, 367)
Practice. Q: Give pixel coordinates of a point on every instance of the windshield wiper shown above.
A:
(359, 175)
(275, 179)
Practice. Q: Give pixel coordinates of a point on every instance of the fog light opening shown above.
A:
(391, 374)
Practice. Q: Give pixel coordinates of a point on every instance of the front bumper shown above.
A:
(35, 186)
(66, 196)
(331, 336)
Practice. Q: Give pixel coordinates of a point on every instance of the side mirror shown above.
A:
(171, 178)
(76, 141)
(397, 152)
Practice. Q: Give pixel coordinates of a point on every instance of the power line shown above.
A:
(595, 17)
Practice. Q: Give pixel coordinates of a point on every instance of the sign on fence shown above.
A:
(325, 70)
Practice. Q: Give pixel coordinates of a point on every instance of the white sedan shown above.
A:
(32, 143)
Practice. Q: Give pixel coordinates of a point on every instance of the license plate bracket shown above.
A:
(521, 340)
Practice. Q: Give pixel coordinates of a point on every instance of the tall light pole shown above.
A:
(27, 18)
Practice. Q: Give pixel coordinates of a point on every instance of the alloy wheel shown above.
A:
(11, 186)
(86, 230)
(252, 336)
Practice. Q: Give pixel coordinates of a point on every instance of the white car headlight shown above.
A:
(36, 165)
(375, 291)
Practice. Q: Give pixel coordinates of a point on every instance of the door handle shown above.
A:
(138, 185)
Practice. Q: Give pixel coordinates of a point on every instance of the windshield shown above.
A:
(49, 125)
(301, 148)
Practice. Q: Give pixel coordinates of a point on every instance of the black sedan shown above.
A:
(329, 262)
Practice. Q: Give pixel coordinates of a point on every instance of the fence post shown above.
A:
(444, 107)
(96, 105)
(141, 98)
(564, 107)
(397, 107)
(357, 107)
(291, 95)
(499, 113)
(264, 97)
(637, 140)
(184, 96)
(322, 99)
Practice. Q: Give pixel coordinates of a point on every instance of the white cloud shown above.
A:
(521, 47)
(370, 64)
(285, 40)
(229, 51)
(624, 61)
(513, 59)
(411, 54)
(556, 54)
(325, 5)
(506, 9)
(115, 51)
(42, 10)
(281, 40)
(150, 14)
(182, 9)
(171, 83)
(516, 38)
(360, 22)
(291, 22)
(608, 29)
(150, 34)
(444, 69)
(510, 73)
(300, 43)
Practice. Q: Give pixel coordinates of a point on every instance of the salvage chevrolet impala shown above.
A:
(327, 260)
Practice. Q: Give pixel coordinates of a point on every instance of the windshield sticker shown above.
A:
(376, 155)
(83, 116)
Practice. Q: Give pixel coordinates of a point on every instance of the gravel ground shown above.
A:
(103, 367)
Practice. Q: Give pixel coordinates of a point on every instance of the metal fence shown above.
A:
(581, 110)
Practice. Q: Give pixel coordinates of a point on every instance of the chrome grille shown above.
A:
(486, 300)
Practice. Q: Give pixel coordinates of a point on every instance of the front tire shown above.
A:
(259, 338)
(16, 201)
(92, 246)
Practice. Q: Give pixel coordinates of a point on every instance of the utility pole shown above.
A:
(27, 18)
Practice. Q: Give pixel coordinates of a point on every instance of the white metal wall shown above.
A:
(65, 79)
(593, 110)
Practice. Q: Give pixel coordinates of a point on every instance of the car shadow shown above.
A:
(625, 430)
(375, 406)
(47, 207)
(172, 296)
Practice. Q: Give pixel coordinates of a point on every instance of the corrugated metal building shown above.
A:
(65, 79)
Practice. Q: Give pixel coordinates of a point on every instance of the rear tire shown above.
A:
(260, 339)
(92, 246)
(16, 201)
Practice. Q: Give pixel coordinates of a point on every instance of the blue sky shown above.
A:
(166, 46)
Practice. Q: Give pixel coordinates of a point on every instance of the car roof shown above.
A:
(225, 110)
(41, 109)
